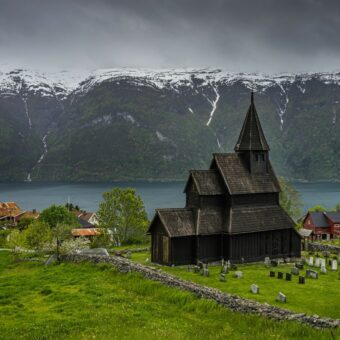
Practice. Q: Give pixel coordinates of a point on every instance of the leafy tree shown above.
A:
(123, 211)
(290, 199)
(61, 233)
(56, 214)
(317, 208)
(24, 222)
(16, 241)
(38, 235)
(103, 240)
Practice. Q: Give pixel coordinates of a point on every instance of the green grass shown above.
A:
(84, 301)
(321, 296)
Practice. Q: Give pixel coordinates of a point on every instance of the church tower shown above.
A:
(252, 142)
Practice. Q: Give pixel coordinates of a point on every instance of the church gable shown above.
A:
(238, 178)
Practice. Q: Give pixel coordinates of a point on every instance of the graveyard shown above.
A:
(319, 294)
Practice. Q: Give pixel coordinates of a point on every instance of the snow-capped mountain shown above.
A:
(113, 124)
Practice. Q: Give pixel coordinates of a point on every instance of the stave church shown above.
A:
(232, 210)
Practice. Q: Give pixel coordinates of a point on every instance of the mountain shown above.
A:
(129, 124)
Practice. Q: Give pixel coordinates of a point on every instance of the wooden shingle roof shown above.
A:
(209, 222)
(255, 219)
(251, 137)
(239, 180)
(207, 182)
(177, 222)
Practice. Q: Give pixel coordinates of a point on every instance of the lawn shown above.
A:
(85, 301)
(321, 296)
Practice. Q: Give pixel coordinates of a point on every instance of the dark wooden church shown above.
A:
(232, 210)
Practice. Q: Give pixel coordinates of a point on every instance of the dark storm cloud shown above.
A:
(243, 35)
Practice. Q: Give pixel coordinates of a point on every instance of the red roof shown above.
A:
(86, 232)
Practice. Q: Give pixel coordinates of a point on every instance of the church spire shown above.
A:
(251, 137)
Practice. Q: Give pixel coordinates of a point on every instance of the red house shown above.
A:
(324, 225)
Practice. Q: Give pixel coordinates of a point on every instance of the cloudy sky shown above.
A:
(239, 35)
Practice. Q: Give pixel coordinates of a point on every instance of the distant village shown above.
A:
(11, 214)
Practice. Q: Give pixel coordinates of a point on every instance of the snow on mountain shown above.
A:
(64, 82)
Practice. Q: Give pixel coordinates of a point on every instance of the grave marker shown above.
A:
(301, 280)
(272, 274)
(295, 271)
(311, 261)
(255, 289)
(281, 297)
(280, 275)
(239, 274)
(334, 265)
(288, 277)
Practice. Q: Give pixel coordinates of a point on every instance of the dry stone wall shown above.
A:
(233, 302)
(323, 247)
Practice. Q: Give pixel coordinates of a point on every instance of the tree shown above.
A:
(16, 241)
(123, 211)
(38, 235)
(317, 208)
(61, 233)
(24, 222)
(56, 214)
(290, 199)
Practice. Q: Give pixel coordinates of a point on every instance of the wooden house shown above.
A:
(232, 210)
(322, 225)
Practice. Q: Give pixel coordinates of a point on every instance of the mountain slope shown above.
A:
(144, 124)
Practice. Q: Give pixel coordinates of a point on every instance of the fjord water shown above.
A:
(155, 194)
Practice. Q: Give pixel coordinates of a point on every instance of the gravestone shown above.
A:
(322, 263)
(317, 262)
(301, 280)
(255, 289)
(274, 263)
(95, 251)
(189, 268)
(272, 274)
(280, 275)
(200, 264)
(334, 265)
(281, 297)
(267, 261)
(288, 277)
(233, 267)
(312, 274)
(299, 265)
(323, 270)
(222, 277)
(239, 274)
(303, 260)
(224, 269)
(295, 271)
(205, 271)
(311, 261)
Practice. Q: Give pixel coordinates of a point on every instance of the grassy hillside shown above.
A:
(85, 302)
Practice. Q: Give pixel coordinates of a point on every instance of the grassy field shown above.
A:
(321, 296)
(84, 301)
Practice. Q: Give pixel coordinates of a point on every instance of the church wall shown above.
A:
(255, 199)
(183, 250)
(209, 248)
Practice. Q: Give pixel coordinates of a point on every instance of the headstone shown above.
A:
(280, 275)
(255, 289)
(302, 280)
(205, 272)
(51, 259)
(95, 251)
(224, 269)
(299, 265)
(323, 270)
(295, 271)
(222, 277)
(239, 274)
(312, 274)
(317, 262)
(303, 260)
(228, 263)
(272, 274)
(274, 263)
(233, 267)
(267, 261)
(189, 268)
(200, 264)
(281, 297)
(311, 261)
(322, 263)
(334, 265)
(288, 277)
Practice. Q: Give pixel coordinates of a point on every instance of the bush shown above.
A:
(4, 238)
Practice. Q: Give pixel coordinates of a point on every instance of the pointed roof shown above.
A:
(251, 137)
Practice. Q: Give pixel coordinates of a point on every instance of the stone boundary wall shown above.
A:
(323, 247)
(233, 302)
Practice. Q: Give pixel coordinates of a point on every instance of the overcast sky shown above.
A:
(238, 36)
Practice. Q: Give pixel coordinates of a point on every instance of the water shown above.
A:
(155, 195)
